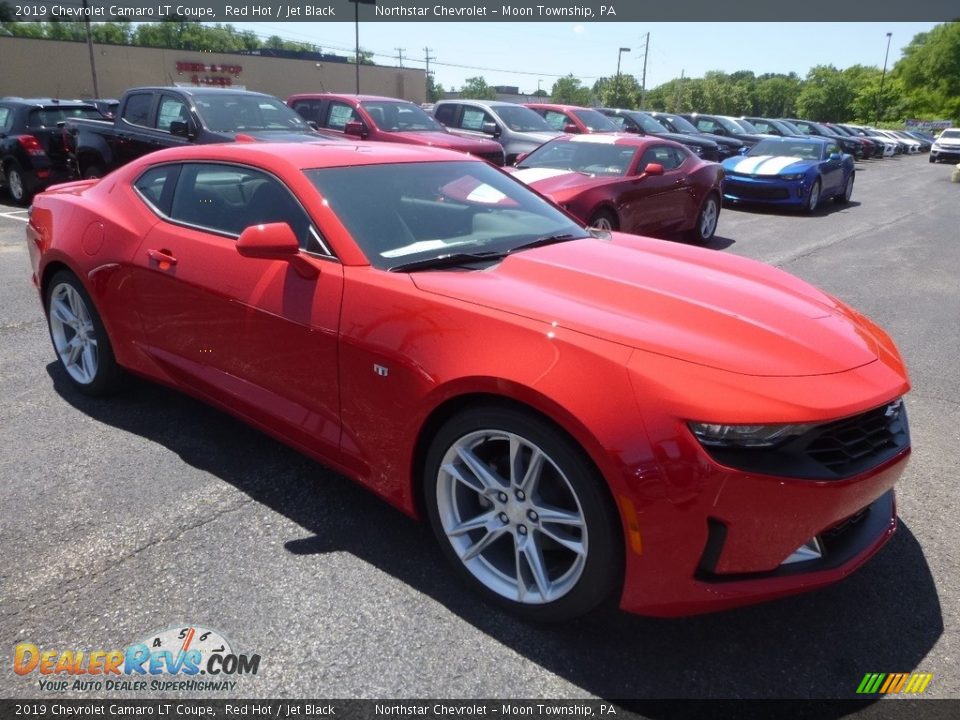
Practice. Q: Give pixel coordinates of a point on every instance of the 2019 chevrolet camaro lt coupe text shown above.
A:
(579, 415)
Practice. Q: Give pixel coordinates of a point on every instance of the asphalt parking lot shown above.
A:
(146, 511)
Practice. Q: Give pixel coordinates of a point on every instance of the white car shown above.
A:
(947, 146)
(908, 146)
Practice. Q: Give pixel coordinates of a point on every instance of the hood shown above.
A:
(690, 139)
(754, 139)
(553, 181)
(447, 140)
(727, 142)
(691, 304)
(537, 137)
(948, 142)
(766, 165)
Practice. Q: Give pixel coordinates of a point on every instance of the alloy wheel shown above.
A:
(74, 334)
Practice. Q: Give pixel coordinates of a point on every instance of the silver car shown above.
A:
(517, 128)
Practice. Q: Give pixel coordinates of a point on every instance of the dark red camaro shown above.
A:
(578, 417)
(645, 185)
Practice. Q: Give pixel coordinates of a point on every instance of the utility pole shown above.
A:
(619, 55)
(400, 52)
(428, 58)
(93, 64)
(676, 95)
(882, 78)
(643, 81)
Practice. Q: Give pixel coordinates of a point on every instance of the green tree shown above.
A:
(568, 91)
(622, 94)
(366, 57)
(775, 95)
(476, 88)
(434, 89)
(929, 73)
(827, 95)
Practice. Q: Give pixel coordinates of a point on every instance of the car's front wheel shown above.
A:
(844, 197)
(813, 199)
(604, 220)
(79, 337)
(522, 513)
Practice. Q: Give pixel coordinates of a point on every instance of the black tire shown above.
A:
(93, 172)
(107, 377)
(606, 218)
(813, 199)
(16, 184)
(567, 474)
(844, 197)
(697, 234)
(932, 159)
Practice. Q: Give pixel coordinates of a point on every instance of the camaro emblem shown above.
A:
(380, 370)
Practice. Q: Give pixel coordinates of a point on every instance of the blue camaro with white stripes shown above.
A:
(799, 172)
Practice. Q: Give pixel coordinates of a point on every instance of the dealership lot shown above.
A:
(149, 510)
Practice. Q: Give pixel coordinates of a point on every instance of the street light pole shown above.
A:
(882, 78)
(619, 55)
(356, 35)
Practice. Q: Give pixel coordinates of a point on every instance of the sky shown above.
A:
(523, 54)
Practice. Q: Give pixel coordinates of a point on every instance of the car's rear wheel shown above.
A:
(707, 219)
(605, 220)
(16, 185)
(844, 197)
(813, 199)
(93, 172)
(79, 337)
(522, 514)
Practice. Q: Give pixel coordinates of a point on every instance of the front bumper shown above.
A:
(771, 191)
(950, 155)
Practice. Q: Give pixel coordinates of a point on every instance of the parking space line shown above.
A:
(15, 215)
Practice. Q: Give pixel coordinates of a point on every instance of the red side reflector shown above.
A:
(43, 173)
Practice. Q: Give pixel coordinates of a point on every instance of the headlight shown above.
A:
(746, 436)
(792, 176)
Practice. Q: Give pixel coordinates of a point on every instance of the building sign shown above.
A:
(928, 124)
(214, 74)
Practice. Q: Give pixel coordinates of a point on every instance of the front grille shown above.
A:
(749, 191)
(492, 157)
(832, 451)
(849, 443)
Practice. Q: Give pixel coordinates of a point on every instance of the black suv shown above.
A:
(32, 153)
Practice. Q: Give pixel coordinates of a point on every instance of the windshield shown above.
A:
(681, 124)
(236, 113)
(647, 123)
(778, 148)
(746, 125)
(590, 158)
(794, 130)
(433, 209)
(399, 116)
(521, 119)
(595, 121)
(729, 125)
(950, 135)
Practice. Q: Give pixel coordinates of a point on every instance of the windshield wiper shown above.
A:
(443, 261)
(545, 240)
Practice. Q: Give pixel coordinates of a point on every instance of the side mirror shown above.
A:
(571, 129)
(180, 128)
(743, 151)
(491, 128)
(275, 241)
(355, 128)
(313, 124)
(836, 157)
(520, 158)
(653, 169)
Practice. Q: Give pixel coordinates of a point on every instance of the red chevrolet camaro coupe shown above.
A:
(646, 185)
(579, 415)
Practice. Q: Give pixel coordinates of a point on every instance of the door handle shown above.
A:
(162, 257)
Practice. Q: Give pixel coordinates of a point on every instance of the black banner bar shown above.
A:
(479, 10)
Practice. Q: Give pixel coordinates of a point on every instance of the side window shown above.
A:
(6, 119)
(137, 109)
(446, 114)
(171, 109)
(678, 158)
(831, 149)
(556, 120)
(474, 118)
(339, 115)
(619, 120)
(705, 125)
(227, 199)
(308, 109)
(670, 158)
(156, 187)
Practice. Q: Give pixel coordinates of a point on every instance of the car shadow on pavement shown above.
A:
(825, 209)
(885, 617)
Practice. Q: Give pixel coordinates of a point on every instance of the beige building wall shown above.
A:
(54, 68)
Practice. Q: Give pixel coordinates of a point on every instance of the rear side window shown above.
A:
(670, 158)
(6, 119)
(308, 109)
(556, 120)
(339, 115)
(171, 110)
(137, 109)
(446, 114)
(156, 187)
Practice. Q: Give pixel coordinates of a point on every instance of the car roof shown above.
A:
(56, 102)
(347, 96)
(198, 91)
(308, 155)
(484, 103)
(556, 106)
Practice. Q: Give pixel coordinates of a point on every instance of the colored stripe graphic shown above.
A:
(892, 683)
